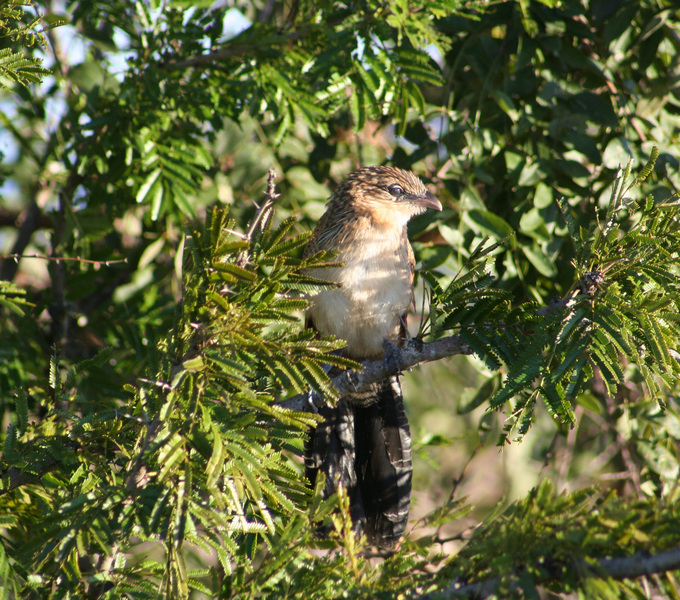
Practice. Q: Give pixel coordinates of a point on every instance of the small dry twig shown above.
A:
(98, 263)
(261, 217)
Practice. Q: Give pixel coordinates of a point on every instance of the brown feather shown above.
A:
(364, 443)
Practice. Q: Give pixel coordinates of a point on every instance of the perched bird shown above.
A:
(364, 443)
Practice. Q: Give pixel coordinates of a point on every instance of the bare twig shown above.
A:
(97, 263)
(57, 308)
(261, 217)
(265, 211)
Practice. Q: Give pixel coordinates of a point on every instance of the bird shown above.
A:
(364, 442)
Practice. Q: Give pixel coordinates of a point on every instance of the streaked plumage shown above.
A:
(365, 443)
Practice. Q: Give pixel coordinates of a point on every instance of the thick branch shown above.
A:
(628, 567)
(413, 353)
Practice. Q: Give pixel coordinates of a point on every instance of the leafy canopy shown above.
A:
(144, 451)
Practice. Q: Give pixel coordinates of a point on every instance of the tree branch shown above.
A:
(261, 218)
(266, 41)
(13, 477)
(273, 40)
(413, 353)
(643, 563)
(628, 567)
(96, 263)
(31, 220)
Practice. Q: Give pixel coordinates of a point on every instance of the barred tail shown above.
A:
(365, 445)
(383, 464)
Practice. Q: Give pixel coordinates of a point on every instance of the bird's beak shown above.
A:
(429, 200)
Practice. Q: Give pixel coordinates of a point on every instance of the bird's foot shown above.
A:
(392, 362)
(404, 334)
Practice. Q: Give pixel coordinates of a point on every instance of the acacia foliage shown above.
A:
(144, 454)
(621, 310)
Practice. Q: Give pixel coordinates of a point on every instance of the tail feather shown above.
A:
(364, 444)
(331, 449)
(384, 467)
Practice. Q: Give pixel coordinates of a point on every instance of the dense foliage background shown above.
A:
(150, 312)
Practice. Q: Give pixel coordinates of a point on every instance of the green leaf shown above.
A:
(145, 190)
(537, 257)
(489, 224)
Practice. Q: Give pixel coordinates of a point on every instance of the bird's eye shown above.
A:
(396, 190)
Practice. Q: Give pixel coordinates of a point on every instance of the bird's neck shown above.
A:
(366, 228)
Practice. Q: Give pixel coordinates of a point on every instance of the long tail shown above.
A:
(365, 445)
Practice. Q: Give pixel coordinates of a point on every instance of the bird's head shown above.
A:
(389, 195)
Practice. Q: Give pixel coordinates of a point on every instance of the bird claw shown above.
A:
(405, 331)
(311, 401)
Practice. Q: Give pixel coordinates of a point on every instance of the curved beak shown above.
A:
(429, 200)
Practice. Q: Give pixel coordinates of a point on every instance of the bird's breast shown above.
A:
(375, 291)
